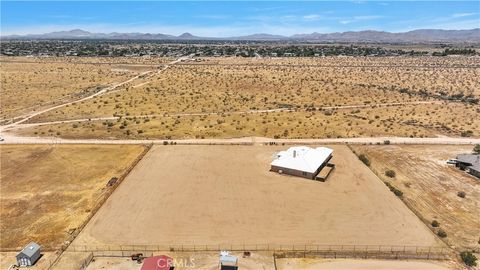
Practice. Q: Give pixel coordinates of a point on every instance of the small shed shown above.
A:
(29, 255)
(161, 262)
(227, 261)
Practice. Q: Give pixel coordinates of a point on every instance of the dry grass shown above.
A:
(430, 187)
(47, 191)
(26, 87)
(228, 85)
(425, 120)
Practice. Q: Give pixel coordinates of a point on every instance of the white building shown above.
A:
(302, 161)
(227, 261)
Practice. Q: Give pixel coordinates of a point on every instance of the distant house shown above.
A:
(469, 163)
(29, 255)
(302, 161)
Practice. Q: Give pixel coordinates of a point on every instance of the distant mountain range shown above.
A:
(368, 36)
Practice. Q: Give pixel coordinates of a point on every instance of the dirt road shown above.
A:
(11, 138)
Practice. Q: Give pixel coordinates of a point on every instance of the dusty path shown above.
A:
(343, 107)
(10, 138)
(99, 93)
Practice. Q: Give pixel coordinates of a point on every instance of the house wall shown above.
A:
(462, 165)
(29, 260)
(293, 172)
(474, 173)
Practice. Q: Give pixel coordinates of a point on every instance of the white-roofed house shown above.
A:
(302, 161)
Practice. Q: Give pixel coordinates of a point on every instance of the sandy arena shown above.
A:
(209, 195)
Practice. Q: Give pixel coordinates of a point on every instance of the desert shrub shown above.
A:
(398, 192)
(461, 194)
(476, 149)
(395, 190)
(364, 159)
(468, 258)
(165, 143)
(435, 223)
(390, 173)
(467, 133)
(441, 233)
(387, 142)
(75, 125)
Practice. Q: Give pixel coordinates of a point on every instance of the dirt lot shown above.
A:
(209, 261)
(350, 264)
(227, 195)
(264, 261)
(187, 261)
(430, 187)
(47, 191)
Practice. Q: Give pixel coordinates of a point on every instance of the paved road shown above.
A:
(105, 118)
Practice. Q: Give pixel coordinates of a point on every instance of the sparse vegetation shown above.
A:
(395, 190)
(390, 173)
(476, 149)
(468, 258)
(364, 159)
(441, 233)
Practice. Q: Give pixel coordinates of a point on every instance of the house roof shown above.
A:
(302, 158)
(228, 260)
(30, 249)
(161, 262)
(469, 158)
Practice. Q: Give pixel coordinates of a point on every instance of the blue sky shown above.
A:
(229, 18)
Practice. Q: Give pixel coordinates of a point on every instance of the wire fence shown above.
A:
(86, 261)
(286, 251)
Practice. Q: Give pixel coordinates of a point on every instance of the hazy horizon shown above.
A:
(226, 19)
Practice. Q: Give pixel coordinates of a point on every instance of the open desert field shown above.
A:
(430, 187)
(209, 195)
(48, 191)
(29, 84)
(285, 98)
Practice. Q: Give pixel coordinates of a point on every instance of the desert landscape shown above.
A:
(48, 192)
(240, 135)
(281, 98)
(430, 187)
